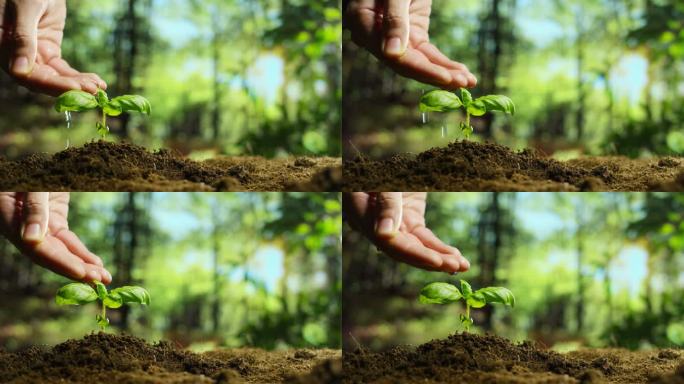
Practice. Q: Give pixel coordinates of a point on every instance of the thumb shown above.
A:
(389, 215)
(25, 36)
(396, 25)
(36, 214)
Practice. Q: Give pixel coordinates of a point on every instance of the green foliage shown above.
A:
(675, 333)
(79, 101)
(444, 293)
(80, 293)
(445, 101)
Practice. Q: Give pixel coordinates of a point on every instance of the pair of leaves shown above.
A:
(80, 293)
(444, 101)
(444, 293)
(78, 101)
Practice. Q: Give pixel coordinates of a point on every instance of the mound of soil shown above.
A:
(105, 358)
(470, 166)
(469, 358)
(106, 166)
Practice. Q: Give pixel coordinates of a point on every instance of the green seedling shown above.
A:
(80, 293)
(79, 101)
(445, 101)
(444, 293)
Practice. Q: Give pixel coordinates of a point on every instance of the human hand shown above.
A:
(396, 32)
(36, 223)
(31, 34)
(395, 223)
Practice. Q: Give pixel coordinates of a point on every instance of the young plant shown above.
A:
(444, 293)
(445, 101)
(80, 293)
(78, 101)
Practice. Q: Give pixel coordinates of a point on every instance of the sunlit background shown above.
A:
(588, 77)
(587, 269)
(237, 77)
(231, 269)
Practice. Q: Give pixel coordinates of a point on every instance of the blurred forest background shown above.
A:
(587, 269)
(229, 269)
(588, 77)
(223, 77)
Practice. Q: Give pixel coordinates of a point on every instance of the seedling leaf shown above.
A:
(101, 290)
(131, 103)
(466, 97)
(113, 300)
(101, 98)
(132, 294)
(75, 294)
(477, 108)
(476, 300)
(499, 103)
(439, 293)
(497, 295)
(75, 101)
(466, 289)
(439, 101)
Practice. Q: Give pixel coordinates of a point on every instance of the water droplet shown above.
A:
(443, 131)
(67, 116)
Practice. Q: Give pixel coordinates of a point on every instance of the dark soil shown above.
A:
(468, 358)
(105, 358)
(106, 166)
(470, 166)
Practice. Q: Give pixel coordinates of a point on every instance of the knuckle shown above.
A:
(395, 21)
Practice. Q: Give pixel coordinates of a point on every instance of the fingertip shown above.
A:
(451, 264)
(106, 276)
(93, 275)
(465, 264)
(20, 66)
(96, 260)
(460, 80)
(472, 80)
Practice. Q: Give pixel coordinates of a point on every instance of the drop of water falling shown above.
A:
(67, 115)
(443, 131)
(423, 117)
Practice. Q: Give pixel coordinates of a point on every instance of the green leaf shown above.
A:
(466, 129)
(112, 109)
(102, 129)
(466, 97)
(101, 98)
(476, 300)
(75, 294)
(131, 103)
(466, 289)
(100, 289)
(675, 333)
(132, 294)
(439, 293)
(499, 103)
(497, 295)
(75, 101)
(102, 321)
(439, 101)
(113, 300)
(477, 108)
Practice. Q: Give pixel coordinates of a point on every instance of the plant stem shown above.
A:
(104, 314)
(468, 317)
(104, 120)
(467, 118)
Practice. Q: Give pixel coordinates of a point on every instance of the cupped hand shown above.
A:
(395, 223)
(31, 34)
(36, 223)
(396, 32)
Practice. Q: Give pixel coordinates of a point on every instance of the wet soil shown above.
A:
(468, 358)
(106, 166)
(470, 166)
(106, 358)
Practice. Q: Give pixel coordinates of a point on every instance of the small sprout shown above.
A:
(444, 293)
(445, 101)
(78, 101)
(80, 293)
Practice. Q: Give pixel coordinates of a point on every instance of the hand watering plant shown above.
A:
(78, 101)
(444, 101)
(80, 293)
(444, 293)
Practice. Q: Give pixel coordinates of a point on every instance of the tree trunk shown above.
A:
(581, 92)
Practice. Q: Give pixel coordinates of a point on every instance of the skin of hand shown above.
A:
(31, 34)
(36, 223)
(395, 223)
(396, 32)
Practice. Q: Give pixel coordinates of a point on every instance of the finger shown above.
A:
(25, 36)
(415, 65)
(63, 68)
(54, 255)
(46, 80)
(389, 214)
(355, 207)
(455, 68)
(407, 249)
(451, 255)
(396, 28)
(36, 213)
(76, 246)
(94, 272)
